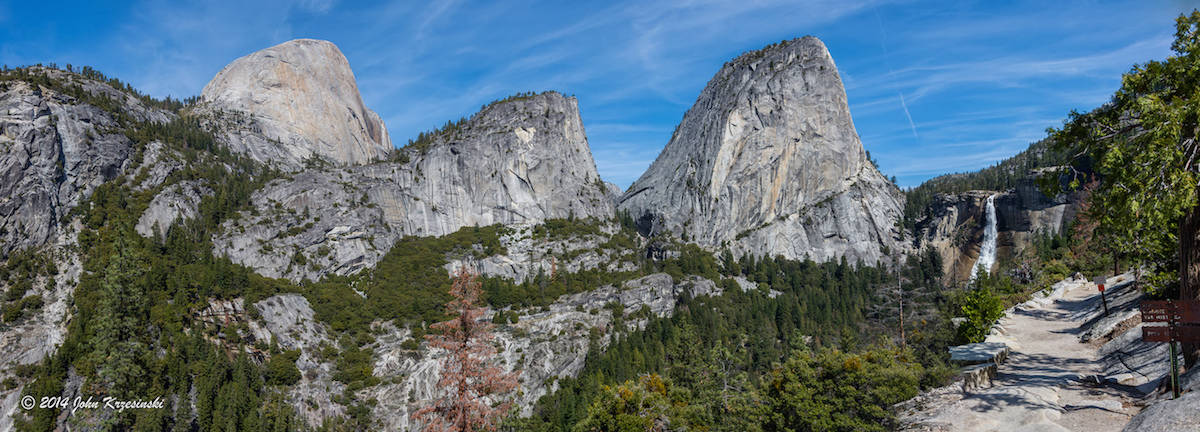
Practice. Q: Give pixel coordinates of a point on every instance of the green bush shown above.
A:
(835, 391)
(981, 308)
(645, 404)
(281, 369)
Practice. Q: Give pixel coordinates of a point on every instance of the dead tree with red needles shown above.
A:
(468, 377)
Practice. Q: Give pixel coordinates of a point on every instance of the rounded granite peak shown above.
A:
(767, 162)
(302, 97)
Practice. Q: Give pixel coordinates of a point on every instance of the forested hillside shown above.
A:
(1004, 175)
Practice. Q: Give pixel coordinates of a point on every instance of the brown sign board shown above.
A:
(1178, 311)
(1183, 333)
(1156, 334)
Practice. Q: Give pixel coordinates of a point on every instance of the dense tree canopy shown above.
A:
(1146, 157)
(1144, 146)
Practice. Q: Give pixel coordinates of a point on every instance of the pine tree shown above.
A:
(467, 375)
(117, 345)
(1145, 146)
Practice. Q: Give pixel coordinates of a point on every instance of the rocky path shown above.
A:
(1047, 383)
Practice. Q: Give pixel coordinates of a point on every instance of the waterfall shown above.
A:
(987, 250)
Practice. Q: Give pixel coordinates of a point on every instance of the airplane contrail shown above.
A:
(909, 115)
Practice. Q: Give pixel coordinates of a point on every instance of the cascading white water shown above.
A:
(987, 250)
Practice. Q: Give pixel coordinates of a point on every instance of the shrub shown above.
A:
(281, 369)
(981, 307)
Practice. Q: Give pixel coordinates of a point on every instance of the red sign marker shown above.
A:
(1101, 286)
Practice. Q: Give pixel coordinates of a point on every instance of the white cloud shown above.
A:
(316, 6)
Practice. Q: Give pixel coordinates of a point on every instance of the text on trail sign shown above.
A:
(1177, 311)
(1182, 319)
(1177, 314)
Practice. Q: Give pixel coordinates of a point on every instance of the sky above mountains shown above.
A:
(934, 87)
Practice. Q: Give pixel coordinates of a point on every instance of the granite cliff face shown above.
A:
(54, 150)
(522, 160)
(954, 226)
(767, 162)
(292, 102)
(61, 137)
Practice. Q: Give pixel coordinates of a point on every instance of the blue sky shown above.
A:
(934, 87)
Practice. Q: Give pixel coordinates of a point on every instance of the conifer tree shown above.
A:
(469, 379)
(1145, 146)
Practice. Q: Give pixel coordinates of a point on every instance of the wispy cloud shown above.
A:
(981, 81)
(316, 6)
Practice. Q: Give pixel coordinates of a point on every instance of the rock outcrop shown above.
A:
(288, 319)
(526, 255)
(291, 102)
(61, 136)
(175, 203)
(523, 160)
(544, 346)
(55, 149)
(954, 224)
(768, 162)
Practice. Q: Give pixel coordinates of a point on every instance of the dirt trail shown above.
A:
(1045, 385)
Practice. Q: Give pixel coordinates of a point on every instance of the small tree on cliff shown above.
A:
(1145, 145)
(468, 377)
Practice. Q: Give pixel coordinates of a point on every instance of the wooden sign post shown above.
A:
(1183, 326)
(1100, 285)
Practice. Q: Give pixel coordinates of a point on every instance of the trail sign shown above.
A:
(1099, 281)
(1171, 311)
(1184, 334)
(1183, 326)
(1156, 334)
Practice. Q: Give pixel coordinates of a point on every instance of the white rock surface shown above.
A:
(288, 320)
(175, 203)
(545, 345)
(54, 151)
(293, 101)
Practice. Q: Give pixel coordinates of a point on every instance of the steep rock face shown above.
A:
(520, 161)
(56, 147)
(954, 226)
(544, 346)
(290, 102)
(954, 230)
(768, 160)
(30, 340)
(288, 319)
(527, 256)
(175, 203)
(54, 150)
